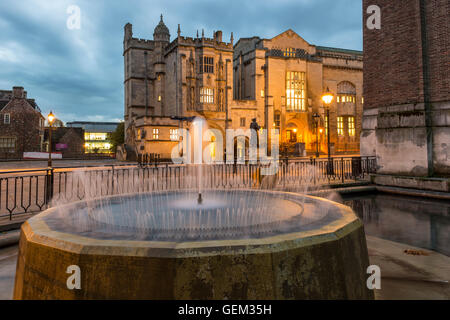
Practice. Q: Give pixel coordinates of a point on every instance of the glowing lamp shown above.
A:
(327, 97)
(50, 118)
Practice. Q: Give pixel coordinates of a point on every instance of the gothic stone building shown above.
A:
(21, 124)
(277, 81)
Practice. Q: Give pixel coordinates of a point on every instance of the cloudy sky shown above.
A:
(78, 73)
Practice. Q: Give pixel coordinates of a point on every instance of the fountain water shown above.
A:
(199, 125)
(192, 242)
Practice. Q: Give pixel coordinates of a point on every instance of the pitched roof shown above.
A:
(3, 103)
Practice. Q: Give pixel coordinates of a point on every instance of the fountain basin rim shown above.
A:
(36, 230)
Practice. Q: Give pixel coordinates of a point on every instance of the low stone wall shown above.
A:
(421, 183)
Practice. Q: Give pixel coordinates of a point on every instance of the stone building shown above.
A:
(21, 124)
(278, 82)
(406, 121)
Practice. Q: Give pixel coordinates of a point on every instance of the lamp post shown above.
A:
(50, 118)
(316, 117)
(327, 98)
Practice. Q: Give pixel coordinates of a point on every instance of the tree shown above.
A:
(118, 136)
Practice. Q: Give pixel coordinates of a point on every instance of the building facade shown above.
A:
(21, 124)
(406, 121)
(67, 140)
(96, 135)
(279, 82)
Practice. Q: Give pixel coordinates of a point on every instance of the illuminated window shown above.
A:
(95, 136)
(340, 126)
(262, 93)
(242, 122)
(362, 100)
(213, 147)
(139, 134)
(7, 118)
(206, 95)
(97, 147)
(159, 98)
(295, 91)
(289, 52)
(207, 65)
(351, 126)
(155, 134)
(174, 134)
(346, 92)
(291, 135)
(326, 126)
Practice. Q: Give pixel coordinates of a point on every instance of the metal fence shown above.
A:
(23, 192)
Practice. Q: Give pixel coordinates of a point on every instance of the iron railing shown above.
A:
(30, 191)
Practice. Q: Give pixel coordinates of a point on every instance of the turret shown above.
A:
(161, 32)
(128, 31)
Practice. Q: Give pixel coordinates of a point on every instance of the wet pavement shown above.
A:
(416, 274)
(417, 221)
(8, 260)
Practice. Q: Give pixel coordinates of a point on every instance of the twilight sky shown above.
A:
(78, 74)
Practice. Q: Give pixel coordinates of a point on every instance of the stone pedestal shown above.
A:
(328, 262)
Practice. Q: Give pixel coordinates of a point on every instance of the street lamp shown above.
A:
(327, 98)
(50, 119)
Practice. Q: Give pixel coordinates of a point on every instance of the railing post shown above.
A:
(112, 179)
(167, 176)
(49, 181)
(342, 169)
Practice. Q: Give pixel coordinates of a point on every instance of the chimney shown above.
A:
(218, 36)
(18, 93)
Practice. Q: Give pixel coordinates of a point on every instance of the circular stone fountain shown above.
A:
(233, 245)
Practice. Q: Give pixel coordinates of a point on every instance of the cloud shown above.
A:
(78, 74)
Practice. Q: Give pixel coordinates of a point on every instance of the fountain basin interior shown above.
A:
(239, 244)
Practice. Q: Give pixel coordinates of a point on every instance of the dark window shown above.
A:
(7, 143)
(207, 65)
(277, 120)
(7, 119)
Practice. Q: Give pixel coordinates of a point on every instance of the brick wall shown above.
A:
(438, 48)
(393, 69)
(24, 127)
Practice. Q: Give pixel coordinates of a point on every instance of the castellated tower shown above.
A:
(184, 77)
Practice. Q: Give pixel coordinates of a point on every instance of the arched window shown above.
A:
(346, 99)
(346, 92)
